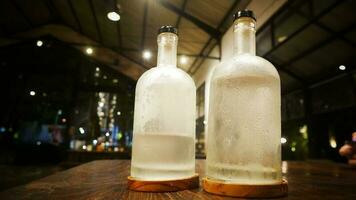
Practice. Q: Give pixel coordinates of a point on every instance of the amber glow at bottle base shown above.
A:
(245, 191)
(163, 186)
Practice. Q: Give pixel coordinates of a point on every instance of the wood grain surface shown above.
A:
(107, 179)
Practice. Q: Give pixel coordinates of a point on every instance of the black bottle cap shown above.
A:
(169, 29)
(244, 13)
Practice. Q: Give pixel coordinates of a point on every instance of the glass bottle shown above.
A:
(244, 124)
(164, 118)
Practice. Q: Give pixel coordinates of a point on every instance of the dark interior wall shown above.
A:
(65, 84)
(328, 110)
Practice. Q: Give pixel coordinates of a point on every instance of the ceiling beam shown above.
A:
(144, 23)
(74, 13)
(290, 73)
(118, 26)
(96, 45)
(114, 58)
(329, 30)
(320, 82)
(202, 25)
(179, 16)
(302, 28)
(53, 12)
(22, 12)
(97, 27)
(195, 67)
(199, 56)
(228, 14)
(317, 46)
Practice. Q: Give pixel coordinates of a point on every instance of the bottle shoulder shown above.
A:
(246, 65)
(165, 75)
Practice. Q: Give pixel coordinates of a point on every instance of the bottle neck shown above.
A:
(244, 36)
(167, 50)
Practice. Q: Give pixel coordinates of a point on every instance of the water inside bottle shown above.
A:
(162, 157)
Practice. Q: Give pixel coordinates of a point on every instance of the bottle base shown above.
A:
(164, 185)
(244, 190)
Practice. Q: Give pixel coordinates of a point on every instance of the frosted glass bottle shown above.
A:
(164, 118)
(244, 124)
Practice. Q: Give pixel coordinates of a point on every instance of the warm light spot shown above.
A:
(283, 140)
(147, 54)
(293, 149)
(342, 67)
(332, 142)
(118, 113)
(113, 16)
(89, 51)
(39, 43)
(183, 60)
(107, 134)
(81, 130)
(32, 93)
(282, 38)
(84, 147)
(304, 131)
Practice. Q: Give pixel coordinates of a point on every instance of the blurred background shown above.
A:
(68, 70)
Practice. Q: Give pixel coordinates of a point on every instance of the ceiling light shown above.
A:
(283, 140)
(183, 60)
(39, 43)
(113, 16)
(342, 67)
(147, 54)
(89, 51)
(32, 93)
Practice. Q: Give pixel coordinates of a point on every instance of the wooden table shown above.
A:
(106, 179)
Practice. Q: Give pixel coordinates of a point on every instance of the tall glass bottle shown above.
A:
(164, 118)
(244, 125)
